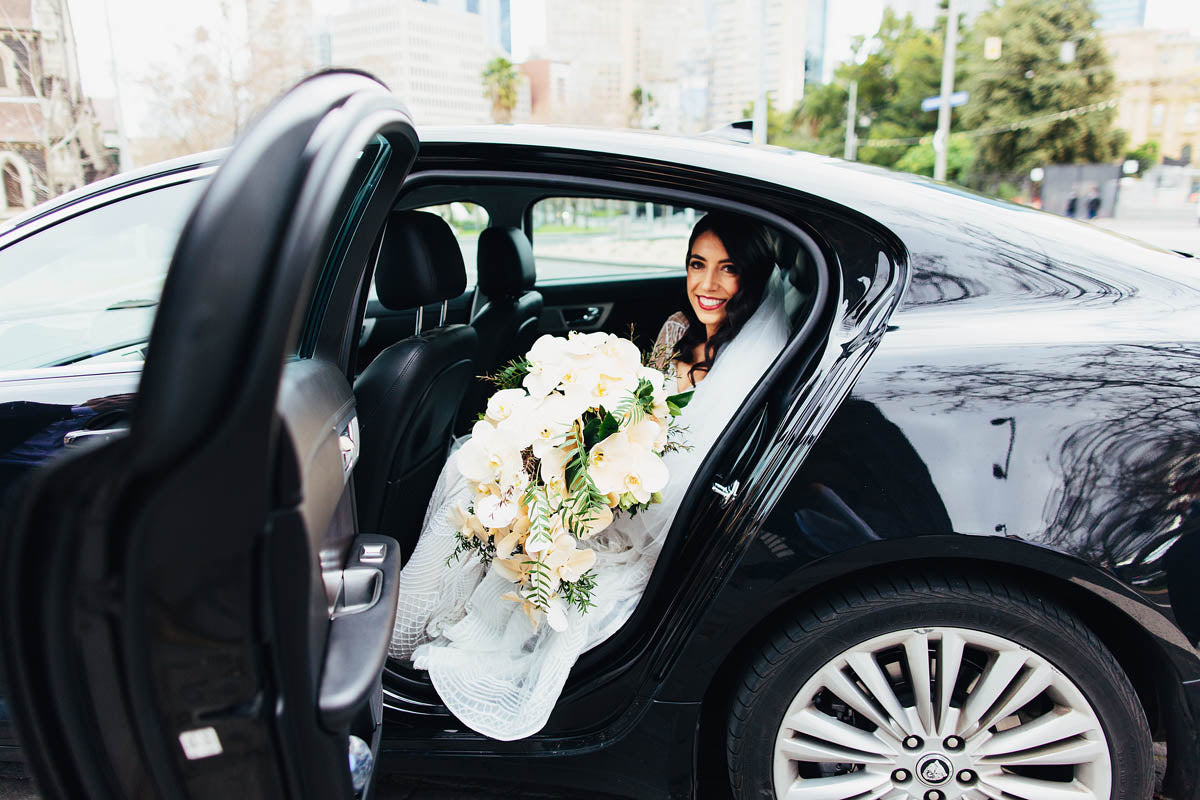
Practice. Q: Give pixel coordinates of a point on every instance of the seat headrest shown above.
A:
(419, 262)
(505, 261)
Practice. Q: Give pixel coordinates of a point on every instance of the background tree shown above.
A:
(500, 86)
(1147, 155)
(1031, 80)
(642, 102)
(903, 66)
(233, 71)
(960, 159)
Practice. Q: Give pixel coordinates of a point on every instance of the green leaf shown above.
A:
(677, 402)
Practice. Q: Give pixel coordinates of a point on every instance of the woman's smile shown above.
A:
(712, 280)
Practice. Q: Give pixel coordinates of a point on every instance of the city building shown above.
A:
(816, 24)
(1120, 14)
(1158, 81)
(50, 140)
(775, 31)
(430, 54)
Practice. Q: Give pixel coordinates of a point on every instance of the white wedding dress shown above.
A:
(490, 668)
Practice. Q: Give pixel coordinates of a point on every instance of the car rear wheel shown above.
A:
(937, 688)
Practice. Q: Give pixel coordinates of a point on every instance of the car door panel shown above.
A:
(208, 549)
(612, 304)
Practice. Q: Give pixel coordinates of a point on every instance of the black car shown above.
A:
(945, 549)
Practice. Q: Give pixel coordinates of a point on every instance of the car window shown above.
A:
(88, 287)
(467, 220)
(586, 237)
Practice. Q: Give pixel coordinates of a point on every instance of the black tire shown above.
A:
(825, 629)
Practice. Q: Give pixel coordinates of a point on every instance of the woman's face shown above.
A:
(712, 280)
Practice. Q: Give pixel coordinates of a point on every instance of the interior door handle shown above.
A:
(360, 630)
(583, 316)
(75, 439)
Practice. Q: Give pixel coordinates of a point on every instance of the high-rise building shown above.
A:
(816, 24)
(740, 31)
(431, 55)
(1158, 81)
(1120, 14)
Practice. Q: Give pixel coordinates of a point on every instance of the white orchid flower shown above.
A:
(489, 454)
(496, 511)
(555, 613)
(618, 465)
(502, 404)
(599, 519)
(566, 561)
(622, 351)
(553, 470)
(466, 523)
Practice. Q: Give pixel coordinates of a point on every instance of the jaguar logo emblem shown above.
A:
(933, 770)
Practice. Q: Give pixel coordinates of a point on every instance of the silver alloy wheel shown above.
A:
(939, 714)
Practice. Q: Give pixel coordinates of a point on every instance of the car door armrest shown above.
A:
(360, 629)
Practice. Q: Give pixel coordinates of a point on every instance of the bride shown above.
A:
(498, 675)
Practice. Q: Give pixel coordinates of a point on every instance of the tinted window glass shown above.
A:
(584, 237)
(88, 286)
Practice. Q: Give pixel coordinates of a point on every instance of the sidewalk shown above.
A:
(1173, 232)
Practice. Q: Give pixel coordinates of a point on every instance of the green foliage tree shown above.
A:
(642, 102)
(903, 67)
(1147, 155)
(1030, 80)
(960, 157)
(500, 86)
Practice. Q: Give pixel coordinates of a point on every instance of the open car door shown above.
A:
(189, 610)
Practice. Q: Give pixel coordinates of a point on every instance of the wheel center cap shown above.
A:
(933, 770)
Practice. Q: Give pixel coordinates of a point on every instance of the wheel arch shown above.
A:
(1102, 603)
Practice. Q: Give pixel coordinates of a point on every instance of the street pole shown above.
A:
(851, 149)
(942, 137)
(759, 123)
(124, 159)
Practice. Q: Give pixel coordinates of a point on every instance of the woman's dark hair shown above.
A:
(752, 250)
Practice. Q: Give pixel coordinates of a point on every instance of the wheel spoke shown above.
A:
(819, 752)
(1019, 786)
(995, 679)
(848, 692)
(823, 727)
(1055, 726)
(838, 787)
(868, 671)
(916, 650)
(947, 675)
(1027, 686)
(1069, 752)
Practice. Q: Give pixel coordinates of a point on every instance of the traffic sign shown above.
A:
(935, 102)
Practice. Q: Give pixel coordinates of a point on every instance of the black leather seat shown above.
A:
(507, 323)
(408, 397)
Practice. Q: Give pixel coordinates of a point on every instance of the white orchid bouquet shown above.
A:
(573, 437)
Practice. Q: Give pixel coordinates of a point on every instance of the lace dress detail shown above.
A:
(491, 669)
(668, 336)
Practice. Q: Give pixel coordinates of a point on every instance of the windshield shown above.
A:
(88, 287)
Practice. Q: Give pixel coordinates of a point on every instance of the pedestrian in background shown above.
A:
(1072, 205)
(1093, 203)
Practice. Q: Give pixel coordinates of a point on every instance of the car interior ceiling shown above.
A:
(508, 207)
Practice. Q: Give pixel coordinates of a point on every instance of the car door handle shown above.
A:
(581, 316)
(360, 631)
(81, 438)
